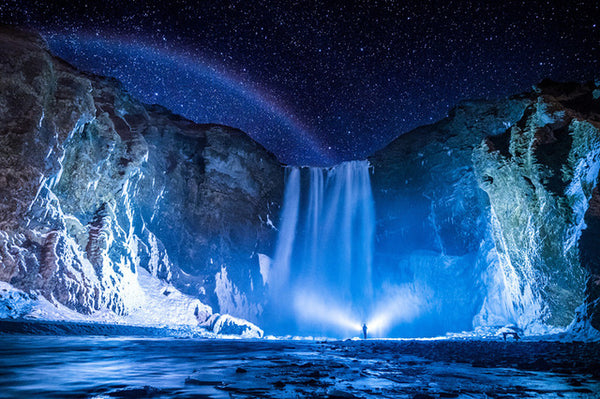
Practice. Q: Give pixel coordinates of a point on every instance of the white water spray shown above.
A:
(280, 273)
(321, 280)
(325, 246)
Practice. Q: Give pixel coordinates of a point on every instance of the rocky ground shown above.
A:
(118, 367)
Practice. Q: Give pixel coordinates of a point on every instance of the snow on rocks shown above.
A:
(227, 325)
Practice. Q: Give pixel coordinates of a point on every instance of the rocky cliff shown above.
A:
(489, 208)
(96, 187)
(541, 176)
(488, 217)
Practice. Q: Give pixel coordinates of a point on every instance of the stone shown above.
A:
(540, 177)
(432, 217)
(504, 189)
(95, 185)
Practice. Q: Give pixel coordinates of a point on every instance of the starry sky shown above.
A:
(318, 82)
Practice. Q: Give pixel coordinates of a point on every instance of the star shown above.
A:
(377, 69)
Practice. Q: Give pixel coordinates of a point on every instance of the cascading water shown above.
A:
(321, 279)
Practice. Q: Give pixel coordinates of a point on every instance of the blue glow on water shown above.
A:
(135, 367)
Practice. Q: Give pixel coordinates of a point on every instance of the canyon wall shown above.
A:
(488, 208)
(95, 186)
(488, 217)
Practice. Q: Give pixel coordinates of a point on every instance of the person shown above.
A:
(364, 328)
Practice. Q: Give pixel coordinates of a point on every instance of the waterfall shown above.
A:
(321, 273)
(287, 233)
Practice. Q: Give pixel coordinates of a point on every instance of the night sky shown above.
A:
(320, 82)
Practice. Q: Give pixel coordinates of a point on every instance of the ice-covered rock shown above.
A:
(14, 303)
(159, 304)
(96, 186)
(540, 176)
(508, 189)
(224, 324)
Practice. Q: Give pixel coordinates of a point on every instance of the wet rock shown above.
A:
(201, 382)
(316, 374)
(338, 394)
(574, 382)
(448, 395)
(134, 392)
(422, 396)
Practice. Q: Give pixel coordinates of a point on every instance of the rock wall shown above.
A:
(499, 195)
(95, 185)
(540, 176)
(494, 211)
(432, 219)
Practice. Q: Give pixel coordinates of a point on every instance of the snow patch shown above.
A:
(162, 304)
(158, 304)
(231, 299)
(264, 263)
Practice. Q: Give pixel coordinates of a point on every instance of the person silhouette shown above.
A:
(364, 328)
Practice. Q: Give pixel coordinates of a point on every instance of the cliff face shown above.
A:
(95, 186)
(432, 218)
(540, 177)
(427, 175)
(490, 216)
(496, 195)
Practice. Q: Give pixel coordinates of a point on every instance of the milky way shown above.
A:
(316, 82)
(193, 89)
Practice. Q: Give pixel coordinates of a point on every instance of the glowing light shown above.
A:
(400, 304)
(325, 247)
(316, 309)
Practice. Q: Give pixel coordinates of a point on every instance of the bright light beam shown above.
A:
(315, 309)
(400, 304)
